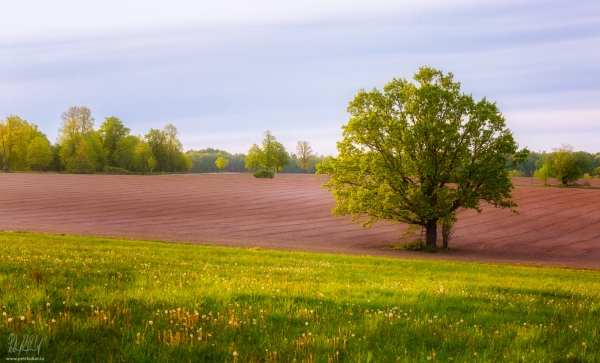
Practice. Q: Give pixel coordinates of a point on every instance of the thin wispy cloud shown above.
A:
(223, 71)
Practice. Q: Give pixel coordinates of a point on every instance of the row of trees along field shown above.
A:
(82, 149)
(563, 163)
(270, 154)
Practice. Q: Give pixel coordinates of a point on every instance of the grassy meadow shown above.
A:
(109, 300)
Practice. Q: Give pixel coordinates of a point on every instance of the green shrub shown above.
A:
(418, 245)
(116, 171)
(264, 173)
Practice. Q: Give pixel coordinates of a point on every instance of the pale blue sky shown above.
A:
(223, 72)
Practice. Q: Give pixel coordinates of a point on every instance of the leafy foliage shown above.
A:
(264, 173)
(416, 153)
(111, 133)
(39, 153)
(221, 162)
(544, 173)
(271, 156)
(204, 161)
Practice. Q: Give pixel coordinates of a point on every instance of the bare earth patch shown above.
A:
(556, 226)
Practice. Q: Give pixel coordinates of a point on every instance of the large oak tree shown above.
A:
(417, 152)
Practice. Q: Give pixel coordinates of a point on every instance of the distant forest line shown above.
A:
(81, 148)
(562, 163)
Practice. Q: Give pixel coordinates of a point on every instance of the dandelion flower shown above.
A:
(22, 318)
(54, 321)
(47, 304)
(306, 323)
(9, 320)
(150, 322)
(4, 313)
(235, 354)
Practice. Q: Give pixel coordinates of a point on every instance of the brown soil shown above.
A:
(556, 226)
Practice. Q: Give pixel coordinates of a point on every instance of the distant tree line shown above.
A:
(562, 163)
(270, 154)
(204, 161)
(80, 148)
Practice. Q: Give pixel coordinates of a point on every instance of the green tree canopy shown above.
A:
(271, 155)
(111, 132)
(83, 161)
(16, 135)
(544, 173)
(281, 158)
(173, 146)
(39, 153)
(568, 166)
(152, 163)
(221, 162)
(254, 158)
(416, 153)
(124, 155)
(142, 153)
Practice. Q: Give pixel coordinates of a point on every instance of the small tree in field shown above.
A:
(152, 163)
(221, 162)
(305, 155)
(416, 153)
(543, 173)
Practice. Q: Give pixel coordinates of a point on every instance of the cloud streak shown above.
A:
(293, 68)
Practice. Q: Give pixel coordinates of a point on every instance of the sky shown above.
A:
(225, 71)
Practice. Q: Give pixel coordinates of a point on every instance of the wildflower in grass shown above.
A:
(9, 320)
(54, 321)
(47, 305)
(150, 322)
(22, 318)
(4, 313)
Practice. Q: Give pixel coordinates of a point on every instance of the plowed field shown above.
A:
(555, 226)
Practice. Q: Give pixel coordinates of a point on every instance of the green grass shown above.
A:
(109, 300)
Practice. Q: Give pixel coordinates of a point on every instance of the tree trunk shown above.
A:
(431, 233)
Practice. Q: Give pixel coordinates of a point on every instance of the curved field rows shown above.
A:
(291, 212)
